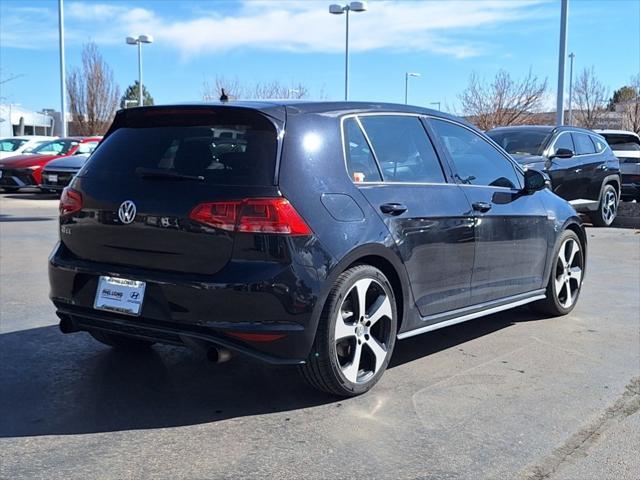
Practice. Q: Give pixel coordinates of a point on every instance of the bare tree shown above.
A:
(235, 89)
(630, 108)
(93, 93)
(504, 101)
(589, 98)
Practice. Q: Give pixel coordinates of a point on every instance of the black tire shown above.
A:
(323, 369)
(606, 213)
(121, 342)
(554, 305)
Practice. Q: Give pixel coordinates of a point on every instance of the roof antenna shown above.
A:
(223, 96)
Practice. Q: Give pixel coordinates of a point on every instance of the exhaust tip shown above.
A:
(218, 354)
(67, 325)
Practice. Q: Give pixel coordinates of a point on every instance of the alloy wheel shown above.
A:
(568, 272)
(609, 206)
(363, 330)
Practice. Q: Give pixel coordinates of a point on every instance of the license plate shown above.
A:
(120, 295)
(53, 178)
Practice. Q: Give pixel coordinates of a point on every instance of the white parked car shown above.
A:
(20, 145)
(626, 146)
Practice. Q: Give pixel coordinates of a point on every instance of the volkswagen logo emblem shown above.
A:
(127, 212)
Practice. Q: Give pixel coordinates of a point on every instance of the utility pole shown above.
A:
(63, 79)
(570, 115)
(562, 56)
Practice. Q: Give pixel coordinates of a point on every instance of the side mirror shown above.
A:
(534, 180)
(562, 153)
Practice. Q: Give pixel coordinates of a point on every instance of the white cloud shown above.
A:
(296, 26)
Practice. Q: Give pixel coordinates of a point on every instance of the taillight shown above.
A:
(252, 215)
(70, 201)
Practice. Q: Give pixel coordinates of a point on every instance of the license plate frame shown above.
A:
(120, 295)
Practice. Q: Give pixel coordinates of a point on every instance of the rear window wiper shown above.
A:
(169, 174)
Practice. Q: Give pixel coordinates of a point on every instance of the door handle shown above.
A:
(393, 208)
(482, 207)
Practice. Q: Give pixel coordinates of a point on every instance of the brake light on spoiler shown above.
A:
(252, 215)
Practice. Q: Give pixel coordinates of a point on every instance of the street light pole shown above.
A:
(139, 41)
(570, 115)
(339, 10)
(63, 79)
(562, 56)
(140, 100)
(435, 103)
(406, 84)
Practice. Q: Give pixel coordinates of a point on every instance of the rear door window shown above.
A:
(224, 147)
(584, 145)
(403, 149)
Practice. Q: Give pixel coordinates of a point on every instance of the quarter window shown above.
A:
(601, 146)
(403, 149)
(360, 162)
(475, 160)
(564, 141)
(584, 145)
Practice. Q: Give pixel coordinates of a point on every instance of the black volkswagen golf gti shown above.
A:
(314, 234)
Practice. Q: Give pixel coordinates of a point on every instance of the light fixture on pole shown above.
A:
(435, 103)
(139, 41)
(570, 115)
(339, 10)
(406, 84)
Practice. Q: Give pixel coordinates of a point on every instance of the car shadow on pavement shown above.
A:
(12, 218)
(52, 384)
(31, 196)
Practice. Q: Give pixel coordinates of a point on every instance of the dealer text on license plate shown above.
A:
(120, 295)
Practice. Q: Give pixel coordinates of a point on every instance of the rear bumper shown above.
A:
(209, 308)
(631, 186)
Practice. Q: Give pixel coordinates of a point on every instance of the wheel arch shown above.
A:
(614, 181)
(384, 259)
(576, 226)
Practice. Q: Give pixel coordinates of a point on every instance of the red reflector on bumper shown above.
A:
(256, 337)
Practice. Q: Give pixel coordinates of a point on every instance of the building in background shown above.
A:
(16, 120)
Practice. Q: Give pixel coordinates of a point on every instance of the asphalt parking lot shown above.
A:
(513, 395)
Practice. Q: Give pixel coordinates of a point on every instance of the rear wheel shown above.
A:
(608, 208)
(121, 342)
(356, 334)
(565, 280)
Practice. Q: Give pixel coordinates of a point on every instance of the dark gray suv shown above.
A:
(582, 167)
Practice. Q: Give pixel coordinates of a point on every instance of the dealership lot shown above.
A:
(513, 395)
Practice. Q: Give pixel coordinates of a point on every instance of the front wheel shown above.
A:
(356, 334)
(608, 208)
(565, 280)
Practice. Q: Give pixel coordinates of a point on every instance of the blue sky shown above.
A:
(300, 42)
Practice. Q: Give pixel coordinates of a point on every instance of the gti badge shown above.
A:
(127, 212)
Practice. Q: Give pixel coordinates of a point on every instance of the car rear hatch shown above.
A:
(139, 190)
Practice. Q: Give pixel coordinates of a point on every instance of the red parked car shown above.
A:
(23, 171)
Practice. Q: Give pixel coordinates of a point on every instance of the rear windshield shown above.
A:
(621, 142)
(223, 147)
(521, 142)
